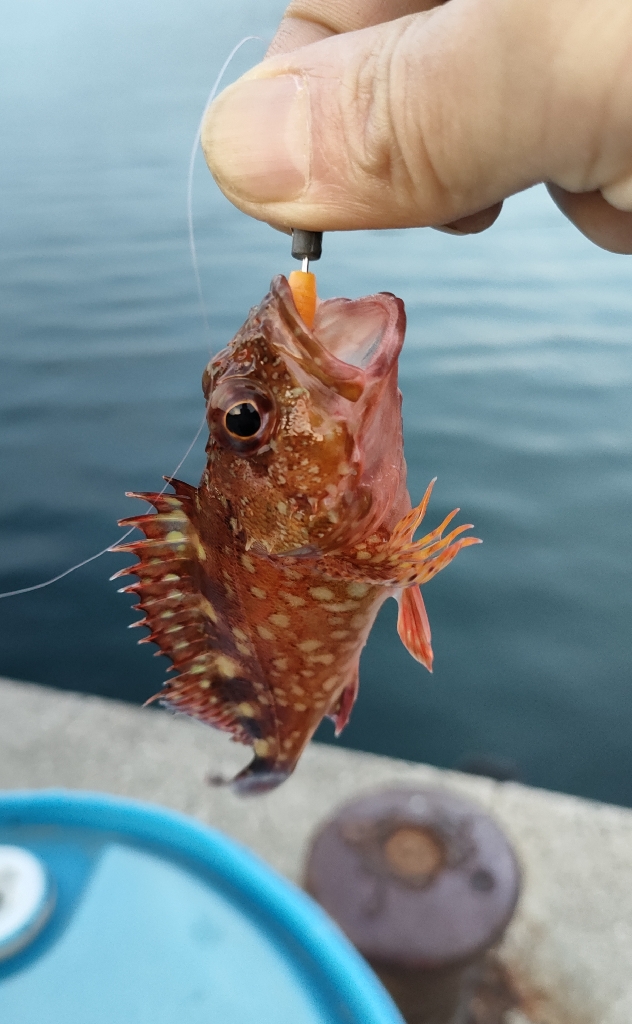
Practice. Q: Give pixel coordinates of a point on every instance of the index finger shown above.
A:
(307, 21)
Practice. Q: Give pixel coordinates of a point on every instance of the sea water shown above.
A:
(516, 376)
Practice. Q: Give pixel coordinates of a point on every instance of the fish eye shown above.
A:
(241, 414)
(243, 420)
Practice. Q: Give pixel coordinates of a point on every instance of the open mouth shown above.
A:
(352, 343)
(356, 330)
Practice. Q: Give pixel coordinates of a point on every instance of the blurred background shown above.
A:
(516, 377)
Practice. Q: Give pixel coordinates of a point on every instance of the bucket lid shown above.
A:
(160, 920)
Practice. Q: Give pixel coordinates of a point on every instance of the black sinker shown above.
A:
(243, 420)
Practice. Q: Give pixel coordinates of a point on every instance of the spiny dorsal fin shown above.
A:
(213, 681)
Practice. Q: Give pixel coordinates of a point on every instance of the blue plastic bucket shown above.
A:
(147, 917)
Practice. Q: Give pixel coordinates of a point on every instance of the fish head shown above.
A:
(305, 450)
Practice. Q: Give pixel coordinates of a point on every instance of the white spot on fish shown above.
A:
(226, 666)
(247, 563)
(258, 592)
(309, 645)
(280, 620)
(322, 594)
(357, 589)
(292, 600)
(265, 633)
(208, 609)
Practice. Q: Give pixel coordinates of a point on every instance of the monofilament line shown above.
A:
(196, 143)
(93, 558)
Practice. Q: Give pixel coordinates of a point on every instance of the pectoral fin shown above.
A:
(413, 626)
(400, 561)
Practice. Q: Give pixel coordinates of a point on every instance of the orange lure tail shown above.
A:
(303, 285)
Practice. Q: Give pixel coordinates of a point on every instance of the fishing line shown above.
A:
(196, 271)
(196, 143)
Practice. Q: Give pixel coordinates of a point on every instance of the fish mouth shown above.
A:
(353, 342)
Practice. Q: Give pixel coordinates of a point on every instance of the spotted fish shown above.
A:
(262, 584)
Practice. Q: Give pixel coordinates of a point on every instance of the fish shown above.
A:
(262, 584)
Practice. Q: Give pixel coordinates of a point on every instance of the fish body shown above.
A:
(262, 584)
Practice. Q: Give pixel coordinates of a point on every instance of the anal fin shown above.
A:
(413, 626)
(342, 711)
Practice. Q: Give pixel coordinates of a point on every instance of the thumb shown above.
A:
(421, 121)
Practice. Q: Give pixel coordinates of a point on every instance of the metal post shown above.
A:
(423, 883)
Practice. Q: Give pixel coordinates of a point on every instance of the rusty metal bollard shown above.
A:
(423, 883)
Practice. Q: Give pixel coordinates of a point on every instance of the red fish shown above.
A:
(262, 584)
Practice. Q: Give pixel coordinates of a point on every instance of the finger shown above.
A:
(308, 21)
(598, 220)
(430, 118)
(474, 224)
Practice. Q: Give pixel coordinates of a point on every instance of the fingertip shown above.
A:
(474, 223)
(607, 227)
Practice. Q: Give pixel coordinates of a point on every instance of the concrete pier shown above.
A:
(569, 946)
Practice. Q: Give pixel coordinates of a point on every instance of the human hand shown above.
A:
(409, 113)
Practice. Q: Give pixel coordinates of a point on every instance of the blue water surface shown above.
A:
(516, 377)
